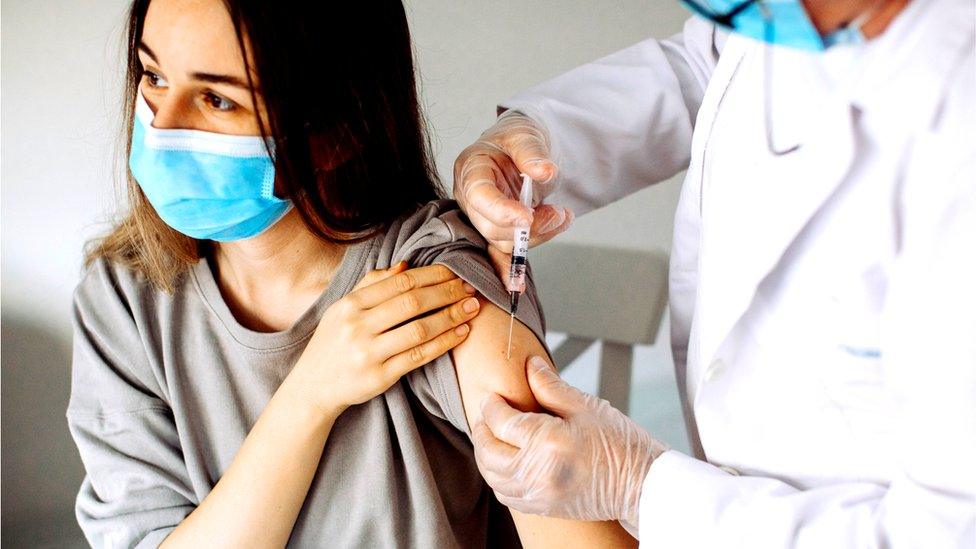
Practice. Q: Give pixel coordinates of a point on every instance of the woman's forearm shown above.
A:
(258, 498)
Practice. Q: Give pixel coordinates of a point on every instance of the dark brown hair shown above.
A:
(337, 81)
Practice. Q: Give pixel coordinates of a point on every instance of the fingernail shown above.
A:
(554, 221)
(470, 305)
(537, 364)
(462, 329)
(543, 171)
(469, 288)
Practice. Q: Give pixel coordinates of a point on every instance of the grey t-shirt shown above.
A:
(165, 387)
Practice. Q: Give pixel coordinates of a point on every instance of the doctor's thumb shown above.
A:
(550, 391)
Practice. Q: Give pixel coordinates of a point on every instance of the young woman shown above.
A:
(254, 363)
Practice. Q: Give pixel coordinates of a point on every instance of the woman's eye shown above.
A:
(155, 80)
(219, 103)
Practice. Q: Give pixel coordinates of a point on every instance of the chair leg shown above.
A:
(569, 350)
(616, 361)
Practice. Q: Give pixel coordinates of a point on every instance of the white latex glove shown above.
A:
(588, 461)
(487, 182)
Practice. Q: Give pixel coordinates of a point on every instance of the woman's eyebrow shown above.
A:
(145, 49)
(202, 76)
(220, 79)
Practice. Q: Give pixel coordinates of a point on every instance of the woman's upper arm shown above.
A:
(136, 487)
(482, 367)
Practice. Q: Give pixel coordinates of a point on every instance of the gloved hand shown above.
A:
(487, 182)
(586, 462)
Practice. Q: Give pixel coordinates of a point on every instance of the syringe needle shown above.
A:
(511, 323)
(518, 265)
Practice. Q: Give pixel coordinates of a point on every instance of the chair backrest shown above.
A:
(601, 293)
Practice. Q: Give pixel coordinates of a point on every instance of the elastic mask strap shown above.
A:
(850, 33)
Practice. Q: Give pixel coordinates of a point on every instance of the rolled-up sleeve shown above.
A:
(439, 233)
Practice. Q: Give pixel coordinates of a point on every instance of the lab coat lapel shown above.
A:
(743, 238)
(750, 222)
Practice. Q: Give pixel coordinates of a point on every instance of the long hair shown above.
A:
(337, 80)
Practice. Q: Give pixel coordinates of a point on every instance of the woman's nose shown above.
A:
(169, 114)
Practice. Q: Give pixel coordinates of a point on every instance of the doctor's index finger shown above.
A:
(535, 162)
(549, 221)
(486, 199)
(529, 151)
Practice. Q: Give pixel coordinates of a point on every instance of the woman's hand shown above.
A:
(370, 338)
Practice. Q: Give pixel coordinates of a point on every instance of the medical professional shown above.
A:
(822, 284)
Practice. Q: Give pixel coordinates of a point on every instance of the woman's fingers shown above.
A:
(414, 303)
(415, 357)
(379, 292)
(426, 328)
(377, 275)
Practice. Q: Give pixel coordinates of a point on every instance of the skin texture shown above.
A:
(482, 368)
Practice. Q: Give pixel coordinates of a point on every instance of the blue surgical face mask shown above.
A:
(205, 185)
(779, 22)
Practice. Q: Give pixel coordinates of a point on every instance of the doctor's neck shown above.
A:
(830, 15)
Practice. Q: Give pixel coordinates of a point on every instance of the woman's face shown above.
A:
(194, 75)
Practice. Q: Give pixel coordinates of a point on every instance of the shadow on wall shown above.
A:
(41, 467)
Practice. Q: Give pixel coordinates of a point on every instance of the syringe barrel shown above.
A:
(520, 248)
(516, 273)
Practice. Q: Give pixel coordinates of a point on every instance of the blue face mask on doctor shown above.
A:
(778, 22)
(205, 185)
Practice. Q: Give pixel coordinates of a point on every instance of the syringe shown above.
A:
(516, 272)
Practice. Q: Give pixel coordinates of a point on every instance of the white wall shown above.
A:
(59, 106)
(61, 72)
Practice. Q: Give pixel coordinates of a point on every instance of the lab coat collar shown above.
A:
(929, 36)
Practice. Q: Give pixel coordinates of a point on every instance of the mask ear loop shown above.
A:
(850, 32)
(767, 83)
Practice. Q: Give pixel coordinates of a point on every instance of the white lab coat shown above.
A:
(824, 302)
